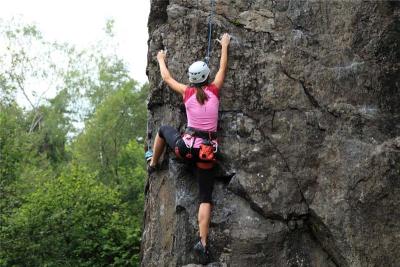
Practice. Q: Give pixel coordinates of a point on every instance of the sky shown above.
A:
(81, 22)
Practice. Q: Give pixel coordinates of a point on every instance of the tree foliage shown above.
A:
(119, 118)
(72, 167)
(73, 220)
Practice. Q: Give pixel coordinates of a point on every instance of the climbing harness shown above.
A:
(205, 155)
(207, 59)
(208, 148)
(202, 134)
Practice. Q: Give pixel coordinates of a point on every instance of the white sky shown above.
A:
(81, 22)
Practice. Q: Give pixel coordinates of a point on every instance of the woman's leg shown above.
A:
(158, 149)
(204, 221)
(166, 134)
(206, 185)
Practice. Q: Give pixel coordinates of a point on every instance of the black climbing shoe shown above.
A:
(202, 252)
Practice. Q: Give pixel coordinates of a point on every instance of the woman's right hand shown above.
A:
(161, 55)
(225, 39)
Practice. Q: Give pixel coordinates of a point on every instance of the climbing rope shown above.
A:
(210, 30)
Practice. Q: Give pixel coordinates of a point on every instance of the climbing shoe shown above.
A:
(202, 252)
(148, 156)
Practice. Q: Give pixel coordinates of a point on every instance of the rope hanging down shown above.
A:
(210, 31)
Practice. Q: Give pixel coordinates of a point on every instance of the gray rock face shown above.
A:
(309, 131)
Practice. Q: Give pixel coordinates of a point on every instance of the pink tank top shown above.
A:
(203, 117)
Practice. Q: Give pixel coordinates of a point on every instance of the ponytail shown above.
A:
(201, 96)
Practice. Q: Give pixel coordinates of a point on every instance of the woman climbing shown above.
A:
(198, 143)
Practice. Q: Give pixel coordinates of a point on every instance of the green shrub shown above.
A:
(73, 220)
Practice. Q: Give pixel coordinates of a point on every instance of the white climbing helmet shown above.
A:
(198, 72)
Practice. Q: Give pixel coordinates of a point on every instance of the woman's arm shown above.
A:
(223, 64)
(166, 76)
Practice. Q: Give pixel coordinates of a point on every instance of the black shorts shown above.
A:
(204, 177)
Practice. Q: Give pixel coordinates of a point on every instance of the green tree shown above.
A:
(29, 156)
(131, 175)
(73, 220)
(70, 196)
(120, 118)
(12, 150)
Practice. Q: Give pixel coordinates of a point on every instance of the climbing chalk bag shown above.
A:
(206, 155)
(206, 152)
